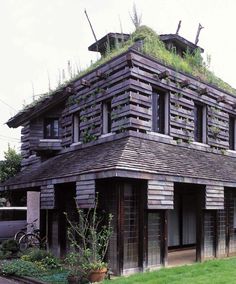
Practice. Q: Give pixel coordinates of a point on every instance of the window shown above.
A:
(51, 128)
(106, 117)
(160, 112)
(200, 123)
(231, 133)
(76, 128)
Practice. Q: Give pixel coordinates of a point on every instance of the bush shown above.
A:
(20, 268)
(42, 259)
(36, 255)
(10, 246)
(9, 249)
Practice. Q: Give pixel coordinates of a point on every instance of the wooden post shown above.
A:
(164, 246)
(216, 228)
(200, 230)
(120, 228)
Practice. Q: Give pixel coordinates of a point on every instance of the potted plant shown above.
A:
(89, 238)
(74, 268)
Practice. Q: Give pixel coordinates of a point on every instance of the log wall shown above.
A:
(47, 197)
(85, 193)
(128, 81)
(214, 197)
(160, 195)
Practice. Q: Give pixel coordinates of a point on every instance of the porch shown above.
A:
(155, 224)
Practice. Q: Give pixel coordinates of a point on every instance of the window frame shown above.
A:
(47, 121)
(106, 117)
(76, 127)
(164, 121)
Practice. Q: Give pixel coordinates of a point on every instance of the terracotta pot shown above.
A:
(73, 279)
(97, 275)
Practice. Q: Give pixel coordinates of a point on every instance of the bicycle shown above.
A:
(32, 240)
(23, 231)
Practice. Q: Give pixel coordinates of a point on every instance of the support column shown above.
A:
(85, 191)
(214, 201)
(33, 207)
(160, 195)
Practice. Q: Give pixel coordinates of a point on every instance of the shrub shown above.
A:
(10, 246)
(42, 258)
(9, 249)
(20, 268)
(51, 262)
(36, 255)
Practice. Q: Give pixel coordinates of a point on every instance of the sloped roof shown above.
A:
(134, 154)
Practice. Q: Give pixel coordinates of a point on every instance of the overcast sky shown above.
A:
(38, 37)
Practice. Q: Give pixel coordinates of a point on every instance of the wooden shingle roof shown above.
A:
(134, 154)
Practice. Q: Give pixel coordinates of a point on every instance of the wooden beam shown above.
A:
(85, 83)
(184, 83)
(101, 75)
(163, 75)
(129, 59)
(164, 245)
(221, 99)
(204, 91)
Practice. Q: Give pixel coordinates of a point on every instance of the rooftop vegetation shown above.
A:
(192, 64)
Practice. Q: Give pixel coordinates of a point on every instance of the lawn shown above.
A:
(214, 271)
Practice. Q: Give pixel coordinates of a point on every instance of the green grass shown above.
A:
(214, 271)
(192, 64)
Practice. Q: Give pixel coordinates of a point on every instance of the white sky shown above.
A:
(38, 37)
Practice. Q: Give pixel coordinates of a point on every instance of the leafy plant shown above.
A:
(89, 237)
(9, 248)
(20, 268)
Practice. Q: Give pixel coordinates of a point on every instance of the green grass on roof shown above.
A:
(192, 64)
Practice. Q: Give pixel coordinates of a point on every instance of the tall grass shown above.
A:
(192, 64)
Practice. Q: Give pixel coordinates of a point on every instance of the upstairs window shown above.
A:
(76, 128)
(160, 112)
(232, 133)
(106, 117)
(200, 123)
(51, 128)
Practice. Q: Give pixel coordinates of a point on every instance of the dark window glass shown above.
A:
(231, 133)
(198, 123)
(159, 112)
(51, 128)
(109, 116)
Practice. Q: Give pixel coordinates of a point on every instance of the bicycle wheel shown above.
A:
(18, 236)
(29, 241)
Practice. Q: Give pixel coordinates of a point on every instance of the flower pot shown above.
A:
(97, 275)
(73, 279)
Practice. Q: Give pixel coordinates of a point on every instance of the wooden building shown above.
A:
(157, 144)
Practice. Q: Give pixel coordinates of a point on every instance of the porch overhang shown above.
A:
(130, 157)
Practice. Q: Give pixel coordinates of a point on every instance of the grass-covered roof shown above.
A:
(192, 64)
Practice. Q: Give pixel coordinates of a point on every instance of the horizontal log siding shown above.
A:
(25, 144)
(160, 195)
(47, 197)
(146, 70)
(85, 193)
(214, 197)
